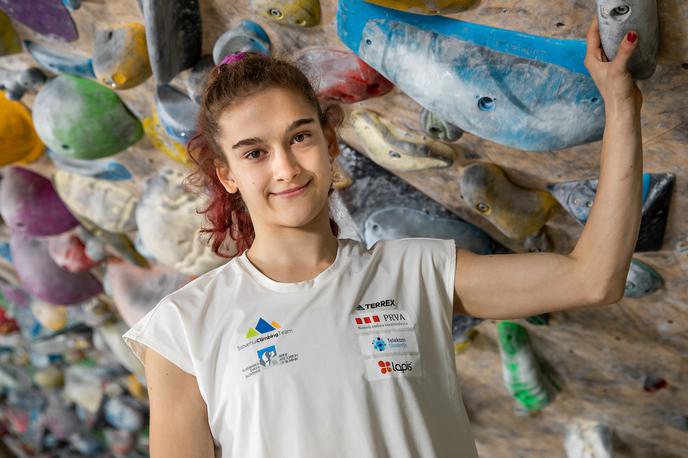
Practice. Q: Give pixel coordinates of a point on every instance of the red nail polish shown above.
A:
(631, 37)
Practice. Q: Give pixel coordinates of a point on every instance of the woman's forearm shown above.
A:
(609, 237)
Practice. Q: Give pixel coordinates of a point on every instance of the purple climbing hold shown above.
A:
(30, 205)
(47, 17)
(46, 280)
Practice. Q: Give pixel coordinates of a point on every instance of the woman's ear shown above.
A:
(225, 176)
(332, 144)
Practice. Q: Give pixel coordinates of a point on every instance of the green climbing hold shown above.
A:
(83, 119)
(521, 371)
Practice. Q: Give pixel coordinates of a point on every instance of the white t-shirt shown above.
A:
(357, 362)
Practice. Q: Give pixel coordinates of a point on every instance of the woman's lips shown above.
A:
(292, 192)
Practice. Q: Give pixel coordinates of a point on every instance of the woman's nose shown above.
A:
(285, 166)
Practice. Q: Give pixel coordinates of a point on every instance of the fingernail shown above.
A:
(631, 37)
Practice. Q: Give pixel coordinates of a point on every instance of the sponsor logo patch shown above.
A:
(387, 321)
(388, 343)
(393, 367)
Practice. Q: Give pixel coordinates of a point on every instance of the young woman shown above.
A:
(306, 345)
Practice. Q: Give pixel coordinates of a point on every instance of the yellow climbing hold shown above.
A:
(426, 6)
(304, 13)
(9, 41)
(396, 148)
(120, 55)
(156, 134)
(19, 141)
(516, 211)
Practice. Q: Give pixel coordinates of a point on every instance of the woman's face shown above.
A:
(273, 142)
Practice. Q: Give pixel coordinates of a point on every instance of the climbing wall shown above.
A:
(419, 158)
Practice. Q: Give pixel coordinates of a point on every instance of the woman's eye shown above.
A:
(252, 154)
(298, 138)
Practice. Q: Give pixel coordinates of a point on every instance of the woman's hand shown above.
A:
(613, 80)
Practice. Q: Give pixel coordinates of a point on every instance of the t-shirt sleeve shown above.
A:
(443, 254)
(433, 262)
(163, 330)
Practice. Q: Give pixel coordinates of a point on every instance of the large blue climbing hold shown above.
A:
(519, 90)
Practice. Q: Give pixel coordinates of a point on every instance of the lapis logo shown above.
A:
(262, 327)
(267, 356)
(387, 367)
(379, 344)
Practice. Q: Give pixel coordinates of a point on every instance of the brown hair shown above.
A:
(226, 84)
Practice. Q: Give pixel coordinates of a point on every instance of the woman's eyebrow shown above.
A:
(255, 140)
(299, 123)
(247, 142)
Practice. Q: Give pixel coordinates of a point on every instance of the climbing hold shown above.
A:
(157, 135)
(173, 34)
(7, 324)
(397, 149)
(46, 280)
(51, 317)
(103, 169)
(120, 442)
(136, 290)
(427, 6)
(72, 4)
(539, 320)
(340, 178)
(577, 198)
(124, 413)
(588, 439)
(245, 37)
(677, 420)
(83, 119)
(681, 252)
(379, 205)
(121, 244)
(463, 331)
(110, 205)
(341, 76)
(521, 371)
(49, 377)
(393, 223)
(16, 84)
(517, 212)
(177, 113)
(30, 205)
(69, 252)
(304, 13)
(18, 138)
(616, 18)
(437, 128)
(538, 242)
(641, 280)
(195, 82)
(59, 61)
(653, 383)
(166, 207)
(47, 17)
(481, 85)
(9, 41)
(120, 55)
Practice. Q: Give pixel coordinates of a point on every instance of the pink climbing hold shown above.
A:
(30, 205)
